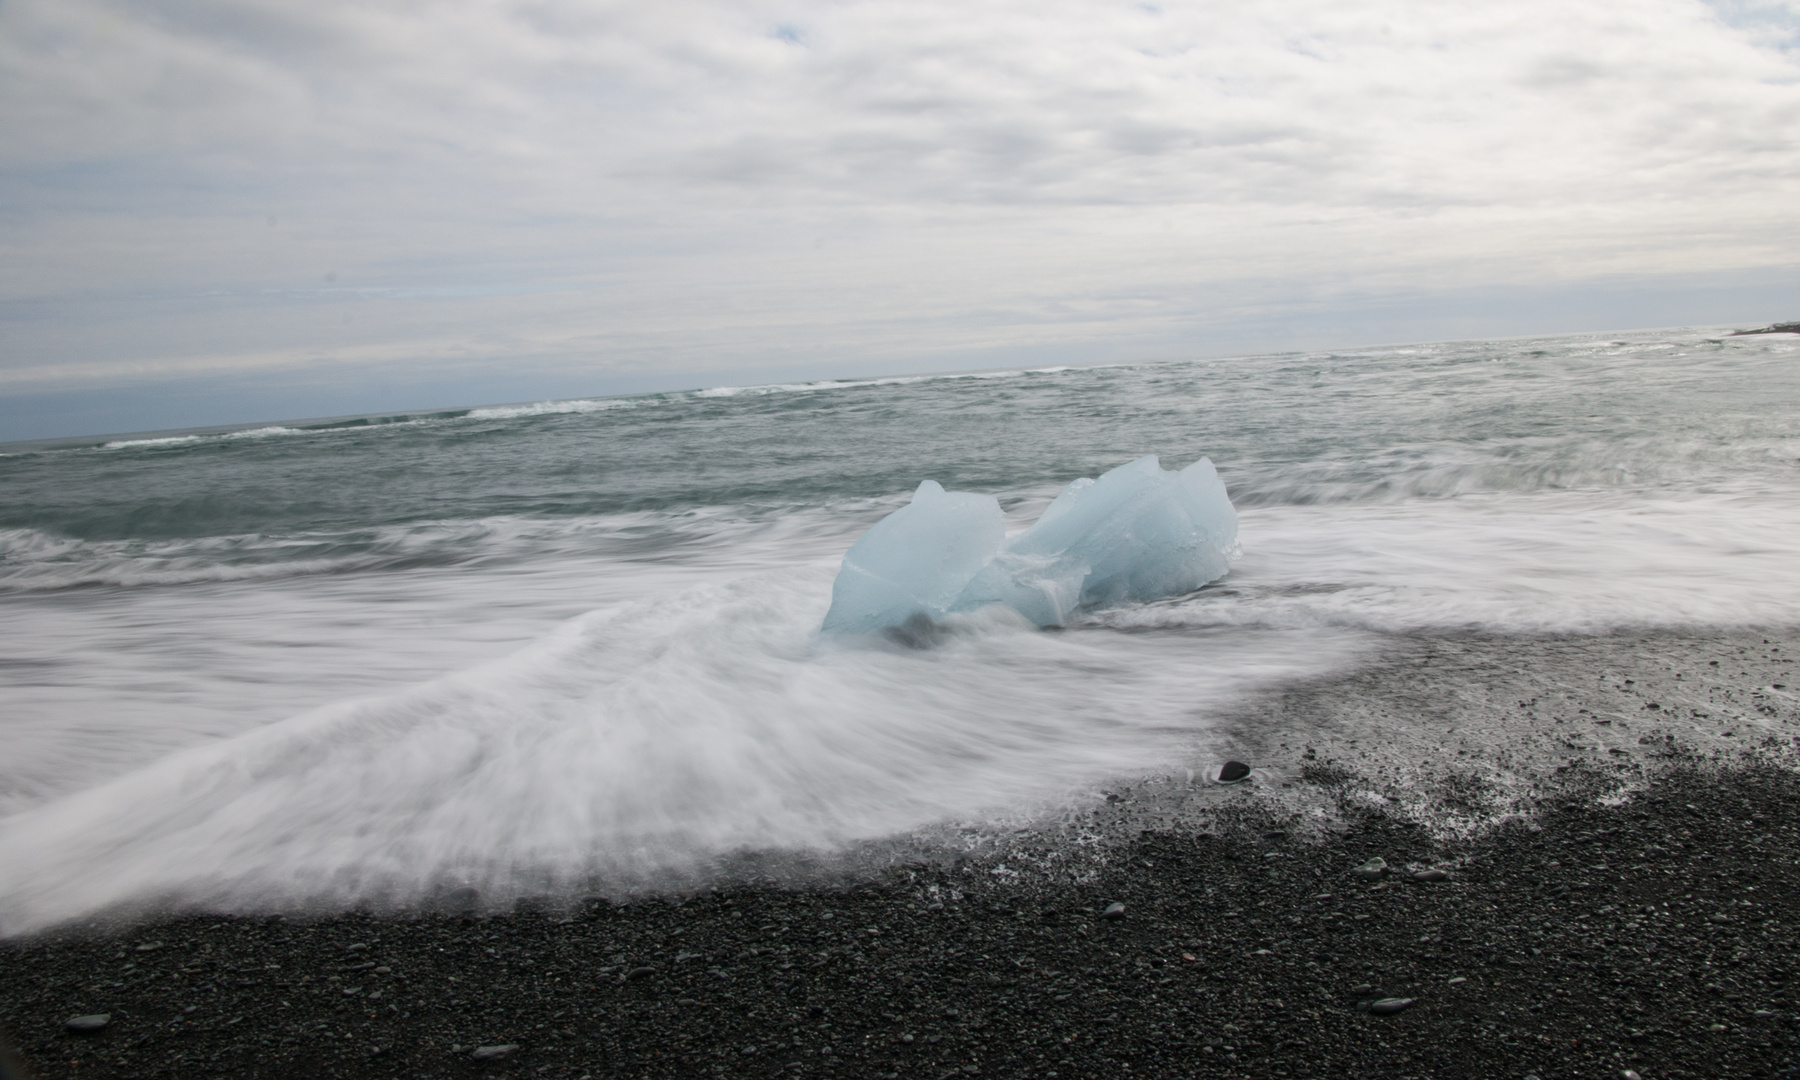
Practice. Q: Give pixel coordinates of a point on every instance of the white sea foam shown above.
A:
(275, 431)
(637, 742)
(693, 712)
(102, 680)
(1533, 563)
(558, 408)
(169, 440)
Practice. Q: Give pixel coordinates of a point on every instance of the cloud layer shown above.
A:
(599, 189)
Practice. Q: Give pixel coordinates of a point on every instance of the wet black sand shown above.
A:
(1657, 935)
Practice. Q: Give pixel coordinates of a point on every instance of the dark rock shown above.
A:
(488, 1053)
(1233, 771)
(1372, 869)
(1431, 875)
(637, 973)
(1114, 910)
(1775, 328)
(90, 1022)
(1389, 1006)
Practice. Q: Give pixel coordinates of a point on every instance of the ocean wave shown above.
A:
(267, 432)
(1555, 562)
(170, 440)
(35, 561)
(1401, 473)
(558, 408)
(561, 407)
(888, 380)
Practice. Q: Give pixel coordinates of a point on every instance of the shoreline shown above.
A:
(1240, 953)
(1575, 781)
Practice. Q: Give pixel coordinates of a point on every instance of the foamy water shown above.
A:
(616, 678)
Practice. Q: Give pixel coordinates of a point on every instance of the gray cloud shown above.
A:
(703, 186)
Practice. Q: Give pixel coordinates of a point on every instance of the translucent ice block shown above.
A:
(1138, 533)
(916, 561)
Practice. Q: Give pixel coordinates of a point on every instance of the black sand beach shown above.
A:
(1634, 912)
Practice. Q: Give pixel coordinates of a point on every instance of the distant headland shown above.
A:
(1774, 328)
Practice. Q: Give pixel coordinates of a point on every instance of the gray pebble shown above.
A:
(1389, 1006)
(1431, 875)
(1114, 910)
(1374, 868)
(1233, 772)
(91, 1022)
(488, 1053)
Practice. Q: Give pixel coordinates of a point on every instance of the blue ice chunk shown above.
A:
(916, 561)
(1138, 533)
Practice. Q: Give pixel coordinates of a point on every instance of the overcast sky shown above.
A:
(230, 210)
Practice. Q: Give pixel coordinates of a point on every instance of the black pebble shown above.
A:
(93, 1022)
(487, 1053)
(1233, 772)
(639, 973)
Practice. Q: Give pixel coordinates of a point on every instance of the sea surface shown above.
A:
(573, 644)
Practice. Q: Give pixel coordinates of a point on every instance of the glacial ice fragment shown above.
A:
(1138, 533)
(916, 560)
